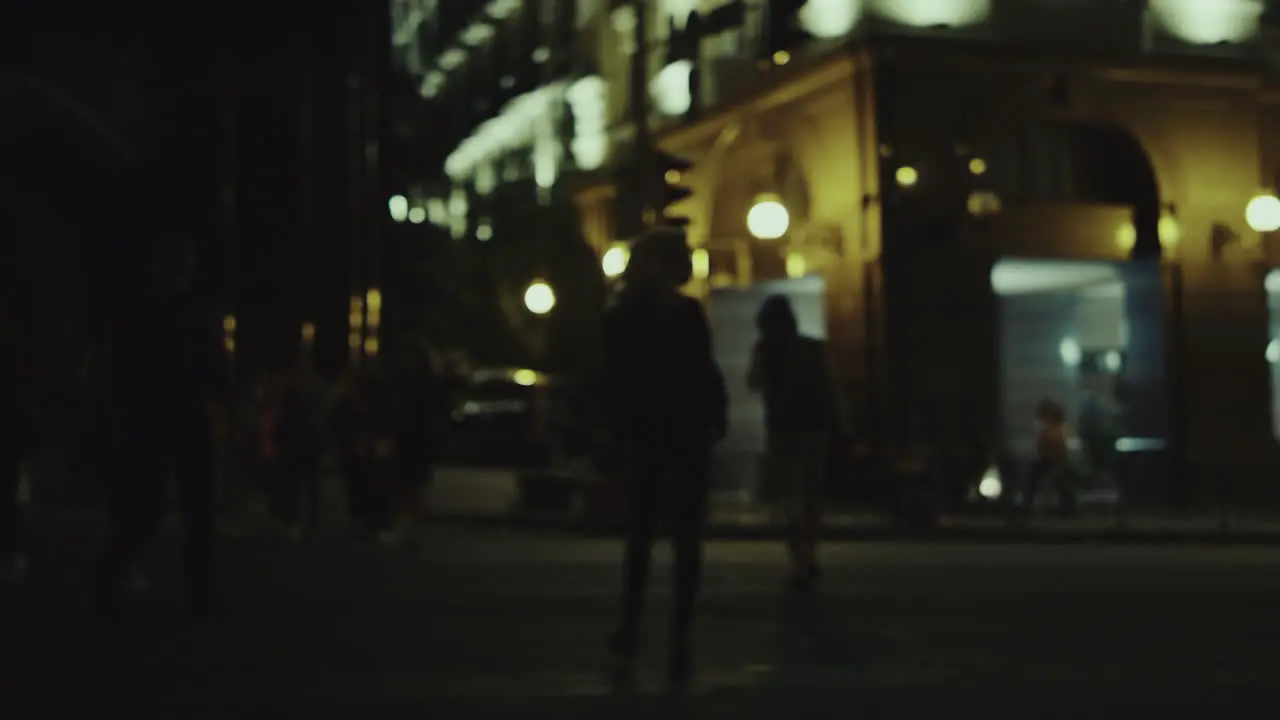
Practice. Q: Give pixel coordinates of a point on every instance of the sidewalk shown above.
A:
(490, 497)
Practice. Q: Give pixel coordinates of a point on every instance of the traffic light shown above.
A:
(671, 190)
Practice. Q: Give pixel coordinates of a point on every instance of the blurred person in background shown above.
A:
(169, 369)
(421, 417)
(790, 371)
(350, 427)
(298, 469)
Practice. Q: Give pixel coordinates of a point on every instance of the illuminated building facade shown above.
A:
(1004, 200)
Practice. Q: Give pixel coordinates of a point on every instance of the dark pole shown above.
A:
(230, 122)
(306, 204)
(356, 183)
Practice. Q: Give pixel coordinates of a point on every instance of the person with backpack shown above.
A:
(791, 372)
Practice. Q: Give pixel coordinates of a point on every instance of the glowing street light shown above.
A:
(399, 207)
(539, 298)
(615, 260)
(768, 218)
(418, 215)
(1263, 213)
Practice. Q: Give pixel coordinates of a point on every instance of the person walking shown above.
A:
(668, 406)
(790, 371)
(169, 372)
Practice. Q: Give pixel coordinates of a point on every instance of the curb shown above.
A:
(1047, 536)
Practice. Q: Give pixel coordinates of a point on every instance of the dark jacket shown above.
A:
(662, 383)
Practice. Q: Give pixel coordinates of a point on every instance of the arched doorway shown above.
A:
(1088, 330)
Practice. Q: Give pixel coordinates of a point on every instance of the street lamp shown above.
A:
(768, 218)
(1263, 213)
(539, 298)
(615, 260)
(399, 207)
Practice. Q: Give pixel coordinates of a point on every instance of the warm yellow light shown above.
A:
(1170, 232)
(373, 299)
(308, 331)
(229, 343)
(672, 177)
(371, 346)
(417, 215)
(229, 324)
(357, 304)
(701, 260)
(907, 176)
(768, 218)
(1263, 213)
(797, 266)
(1126, 237)
(615, 260)
(355, 320)
(539, 298)
(353, 341)
(525, 377)
(984, 202)
(978, 166)
(782, 57)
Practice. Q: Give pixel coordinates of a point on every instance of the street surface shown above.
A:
(503, 624)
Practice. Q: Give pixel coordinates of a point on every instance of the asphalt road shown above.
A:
(497, 623)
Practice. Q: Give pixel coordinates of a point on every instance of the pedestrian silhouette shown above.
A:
(667, 406)
(790, 371)
(169, 369)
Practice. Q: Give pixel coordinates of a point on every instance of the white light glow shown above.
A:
(437, 212)
(539, 298)
(417, 216)
(1113, 361)
(399, 207)
(542, 54)
(1263, 213)
(1272, 282)
(477, 34)
(670, 88)
(515, 127)
(431, 85)
(546, 160)
(768, 218)
(484, 231)
(679, 11)
(452, 58)
(1022, 277)
(831, 18)
(588, 101)
(1209, 22)
(615, 260)
(458, 213)
(1070, 352)
(1273, 351)
(933, 13)
(991, 487)
(486, 179)
(502, 9)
